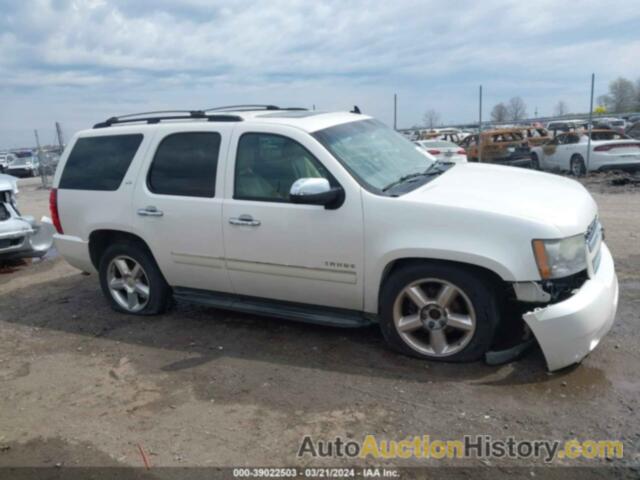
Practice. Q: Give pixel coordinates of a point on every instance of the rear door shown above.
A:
(177, 206)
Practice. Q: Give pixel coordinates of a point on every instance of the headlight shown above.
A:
(560, 258)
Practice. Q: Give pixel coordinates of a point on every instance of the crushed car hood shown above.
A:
(8, 183)
(510, 191)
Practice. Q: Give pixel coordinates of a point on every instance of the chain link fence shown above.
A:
(47, 163)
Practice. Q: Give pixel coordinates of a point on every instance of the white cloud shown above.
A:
(164, 52)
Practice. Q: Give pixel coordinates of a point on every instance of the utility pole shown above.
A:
(37, 141)
(480, 127)
(593, 80)
(395, 111)
(39, 154)
(60, 137)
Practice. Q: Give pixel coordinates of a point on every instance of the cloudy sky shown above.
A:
(80, 61)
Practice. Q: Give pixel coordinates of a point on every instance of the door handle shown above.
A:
(150, 211)
(246, 220)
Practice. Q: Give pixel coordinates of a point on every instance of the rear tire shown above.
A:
(451, 316)
(131, 280)
(578, 168)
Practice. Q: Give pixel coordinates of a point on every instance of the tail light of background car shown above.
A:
(606, 148)
(461, 152)
(53, 208)
(434, 152)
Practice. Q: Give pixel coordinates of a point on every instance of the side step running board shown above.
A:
(271, 308)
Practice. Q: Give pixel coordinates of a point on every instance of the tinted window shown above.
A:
(99, 163)
(267, 165)
(185, 164)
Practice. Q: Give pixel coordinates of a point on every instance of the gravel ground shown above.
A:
(82, 385)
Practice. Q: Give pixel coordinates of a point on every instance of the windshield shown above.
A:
(374, 154)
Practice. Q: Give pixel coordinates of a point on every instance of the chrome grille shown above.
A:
(596, 261)
(11, 242)
(593, 237)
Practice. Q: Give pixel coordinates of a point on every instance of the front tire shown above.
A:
(578, 168)
(131, 280)
(439, 312)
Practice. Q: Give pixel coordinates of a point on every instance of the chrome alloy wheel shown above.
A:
(434, 317)
(128, 283)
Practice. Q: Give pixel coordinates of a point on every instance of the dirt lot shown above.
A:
(81, 385)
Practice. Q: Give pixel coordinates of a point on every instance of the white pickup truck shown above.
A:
(333, 218)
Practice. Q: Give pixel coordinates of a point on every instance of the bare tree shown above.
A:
(431, 118)
(500, 113)
(622, 95)
(517, 109)
(561, 108)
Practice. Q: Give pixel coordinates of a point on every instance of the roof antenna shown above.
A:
(355, 109)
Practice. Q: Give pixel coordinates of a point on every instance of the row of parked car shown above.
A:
(561, 146)
(27, 163)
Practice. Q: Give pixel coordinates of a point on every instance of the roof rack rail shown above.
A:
(159, 116)
(250, 107)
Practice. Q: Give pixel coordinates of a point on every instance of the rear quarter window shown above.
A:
(99, 163)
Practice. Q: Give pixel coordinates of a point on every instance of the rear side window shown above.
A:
(185, 164)
(99, 163)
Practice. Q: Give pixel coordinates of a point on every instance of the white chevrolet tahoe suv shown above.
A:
(333, 218)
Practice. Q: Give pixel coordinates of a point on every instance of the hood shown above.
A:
(8, 184)
(510, 191)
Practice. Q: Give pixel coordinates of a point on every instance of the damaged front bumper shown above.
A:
(23, 237)
(569, 330)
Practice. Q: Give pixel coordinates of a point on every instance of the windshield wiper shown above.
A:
(435, 168)
(404, 179)
(438, 166)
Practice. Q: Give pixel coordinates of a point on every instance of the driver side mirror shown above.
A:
(316, 191)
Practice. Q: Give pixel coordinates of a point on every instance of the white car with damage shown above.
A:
(609, 150)
(20, 236)
(333, 218)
